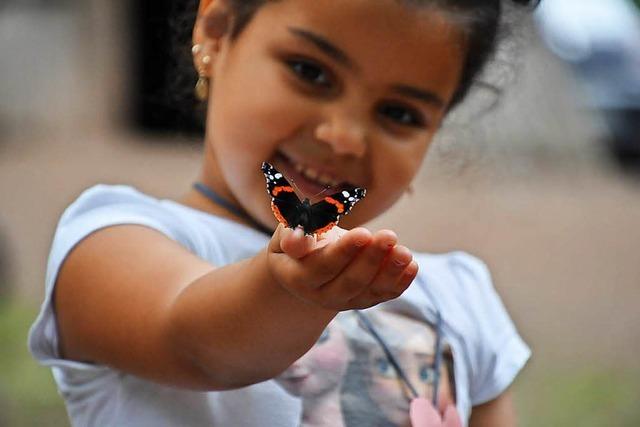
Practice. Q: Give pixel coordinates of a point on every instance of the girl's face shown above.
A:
(330, 92)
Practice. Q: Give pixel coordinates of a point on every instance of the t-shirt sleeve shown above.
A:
(491, 348)
(499, 352)
(97, 208)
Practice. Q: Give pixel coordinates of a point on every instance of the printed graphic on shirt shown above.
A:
(347, 380)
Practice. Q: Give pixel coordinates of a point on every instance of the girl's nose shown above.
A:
(345, 137)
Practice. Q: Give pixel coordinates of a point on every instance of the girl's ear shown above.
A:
(212, 25)
(214, 17)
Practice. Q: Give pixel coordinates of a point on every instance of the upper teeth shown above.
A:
(312, 174)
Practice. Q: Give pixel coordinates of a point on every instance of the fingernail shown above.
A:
(298, 233)
(412, 269)
(400, 262)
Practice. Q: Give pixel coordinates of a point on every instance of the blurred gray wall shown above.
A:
(63, 65)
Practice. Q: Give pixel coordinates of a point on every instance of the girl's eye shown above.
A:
(309, 72)
(402, 115)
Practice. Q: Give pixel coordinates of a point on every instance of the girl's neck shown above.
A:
(196, 200)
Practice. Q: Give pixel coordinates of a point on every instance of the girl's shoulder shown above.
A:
(104, 195)
(213, 238)
(108, 205)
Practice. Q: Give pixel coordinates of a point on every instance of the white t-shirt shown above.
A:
(345, 379)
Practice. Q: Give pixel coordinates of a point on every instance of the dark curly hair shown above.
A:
(482, 21)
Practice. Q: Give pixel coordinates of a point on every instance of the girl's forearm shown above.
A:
(236, 326)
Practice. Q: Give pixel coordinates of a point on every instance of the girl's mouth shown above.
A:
(310, 181)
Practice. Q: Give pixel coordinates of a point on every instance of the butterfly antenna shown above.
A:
(293, 183)
(325, 189)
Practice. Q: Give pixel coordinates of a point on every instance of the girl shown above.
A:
(182, 313)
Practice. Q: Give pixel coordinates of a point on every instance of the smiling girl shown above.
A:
(182, 313)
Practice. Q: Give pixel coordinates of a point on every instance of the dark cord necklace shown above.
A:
(229, 207)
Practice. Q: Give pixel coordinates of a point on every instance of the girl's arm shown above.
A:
(498, 412)
(131, 298)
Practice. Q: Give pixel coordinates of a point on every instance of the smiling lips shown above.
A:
(323, 179)
(307, 178)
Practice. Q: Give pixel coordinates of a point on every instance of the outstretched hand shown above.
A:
(342, 269)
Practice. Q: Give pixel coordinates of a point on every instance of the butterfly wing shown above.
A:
(284, 202)
(326, 213)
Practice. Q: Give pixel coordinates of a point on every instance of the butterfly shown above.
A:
(316, 218)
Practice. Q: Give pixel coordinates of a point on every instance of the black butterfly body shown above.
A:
(315, 218)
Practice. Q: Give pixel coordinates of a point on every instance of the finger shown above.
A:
(330, 236)
(274, 243)
(363, 269)
(327, 262)
(295, 243)
(303, 276)
(368, 298)
(387, 278)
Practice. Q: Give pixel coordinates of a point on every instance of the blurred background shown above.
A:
(544, 185)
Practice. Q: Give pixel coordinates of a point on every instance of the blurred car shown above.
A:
(601, 41)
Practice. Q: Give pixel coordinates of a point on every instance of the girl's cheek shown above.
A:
(266, 122)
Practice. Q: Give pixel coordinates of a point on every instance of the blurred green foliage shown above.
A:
(28, 395)
(586, 396)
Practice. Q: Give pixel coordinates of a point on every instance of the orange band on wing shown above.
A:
(285, 188)
(326, 228)
(278, 215)
(338, 205)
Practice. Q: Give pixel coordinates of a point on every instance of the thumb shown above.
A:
(274, 243)
(291, 242)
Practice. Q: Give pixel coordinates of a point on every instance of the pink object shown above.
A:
(423, 414)
(451, 417)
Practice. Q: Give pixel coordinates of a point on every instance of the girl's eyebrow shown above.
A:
(324, 45)
(337, 54)
(426, 96)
